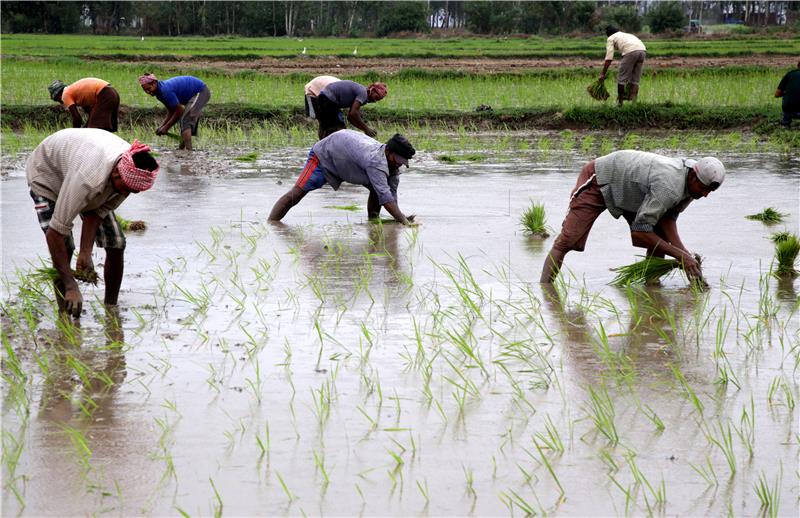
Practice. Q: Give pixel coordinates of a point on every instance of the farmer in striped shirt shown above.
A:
(649, 191)
(86, 172)
(633, 53)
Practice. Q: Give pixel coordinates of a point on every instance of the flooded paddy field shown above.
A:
(329, 366)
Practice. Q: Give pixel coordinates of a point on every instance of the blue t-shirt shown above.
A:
(343, 93)
(178, 90)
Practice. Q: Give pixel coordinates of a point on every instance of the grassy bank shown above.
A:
(135, 48)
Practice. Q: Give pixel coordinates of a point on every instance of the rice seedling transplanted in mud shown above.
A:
(787, 247)
(769, 215)
(534, 221)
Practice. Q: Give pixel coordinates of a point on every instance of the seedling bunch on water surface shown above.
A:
(787, 247)
(533, 220)
(768, 215)
(131, 225)
(647, 271)
(598, 91)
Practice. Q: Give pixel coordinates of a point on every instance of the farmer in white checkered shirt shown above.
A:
(86, 172)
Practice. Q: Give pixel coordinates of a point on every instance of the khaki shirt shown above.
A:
(624, 43)
(72, 167)
(315, 86)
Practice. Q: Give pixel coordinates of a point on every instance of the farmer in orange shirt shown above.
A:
(97, 98)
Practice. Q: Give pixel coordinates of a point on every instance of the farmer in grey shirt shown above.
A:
(648, 190)
(346, 94)
(350, 156)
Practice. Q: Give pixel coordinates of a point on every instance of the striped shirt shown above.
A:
(624, 43)
(645, 184)
(72, 167)
(350, 156)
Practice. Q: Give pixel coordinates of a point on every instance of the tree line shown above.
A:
(359, 18)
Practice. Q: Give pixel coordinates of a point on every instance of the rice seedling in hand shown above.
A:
(650, 270)
(533, 220)
(768, 215)
(131, 225)
(598, 90)
(51, 274)
(786, 251)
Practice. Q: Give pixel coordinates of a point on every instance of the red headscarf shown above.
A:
(147, 78)
(377, 91)
(134, 178)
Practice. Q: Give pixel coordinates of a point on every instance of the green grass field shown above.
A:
(129, 47)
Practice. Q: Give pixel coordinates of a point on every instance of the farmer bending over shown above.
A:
(185, 97)
(649, 191)
(630, 67)
(86, 172)
(312, 90)
(789, 89)
(350, 156)
(97, 98)
(346, 94)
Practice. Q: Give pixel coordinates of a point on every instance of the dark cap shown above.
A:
(611, 29)
(401, 147)
(55, 89)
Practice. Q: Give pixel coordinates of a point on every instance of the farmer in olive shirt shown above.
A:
(97, 98)
(346, 94)
(86, 172)
(649, 191)
(185, 97)
(352, 157)
(789, 89)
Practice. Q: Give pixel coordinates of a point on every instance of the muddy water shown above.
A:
(329, 366)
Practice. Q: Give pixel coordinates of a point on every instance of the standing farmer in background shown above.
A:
(649, 191)
(312, 90)
(346, 94)
(86, 172)
(633, 53)
(185, 97)
(97, 98)
(789, 89)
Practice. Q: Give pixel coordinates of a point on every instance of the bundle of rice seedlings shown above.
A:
(131, 225)
(598, 90)
(768, 215)
(51, 274)
(648, 271)
(533, 220)
(786, 251)
(777, 237)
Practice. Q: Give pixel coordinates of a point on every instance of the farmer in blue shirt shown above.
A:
(352, 157)
(185, 97)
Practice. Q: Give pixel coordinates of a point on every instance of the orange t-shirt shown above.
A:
(83, 92)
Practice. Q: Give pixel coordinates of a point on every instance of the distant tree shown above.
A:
(666, 16)
(624, 17)
(478, 16)
(403, 16)
(46, 17)
(493, 17)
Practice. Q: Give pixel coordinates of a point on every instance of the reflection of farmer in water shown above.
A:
(352, 157)
(97, 98)
(346, 94)
(789, 89)
(649, 190)
(86, 172)
(633, 53)
(312, 90)
(185, 97)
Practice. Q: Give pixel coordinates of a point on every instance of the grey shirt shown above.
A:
(72, 167)
(643, 186)
(343, 93)
(350, 156)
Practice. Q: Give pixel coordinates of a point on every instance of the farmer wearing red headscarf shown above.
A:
(86, 172)
(346, 94)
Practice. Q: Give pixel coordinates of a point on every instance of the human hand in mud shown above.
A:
(410, 220)
(161, 131)
(73, 302)
(691, 265)
(84, 269)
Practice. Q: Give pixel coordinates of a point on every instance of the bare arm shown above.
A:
(61, 261)
(77, 120)
(91, 222)
(606, 64)
(172, 117)
(394, 209)
(669, 229)
(354, 116)
(778, 93)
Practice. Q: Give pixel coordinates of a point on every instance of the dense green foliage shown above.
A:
(666, 16)
(403, 17)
